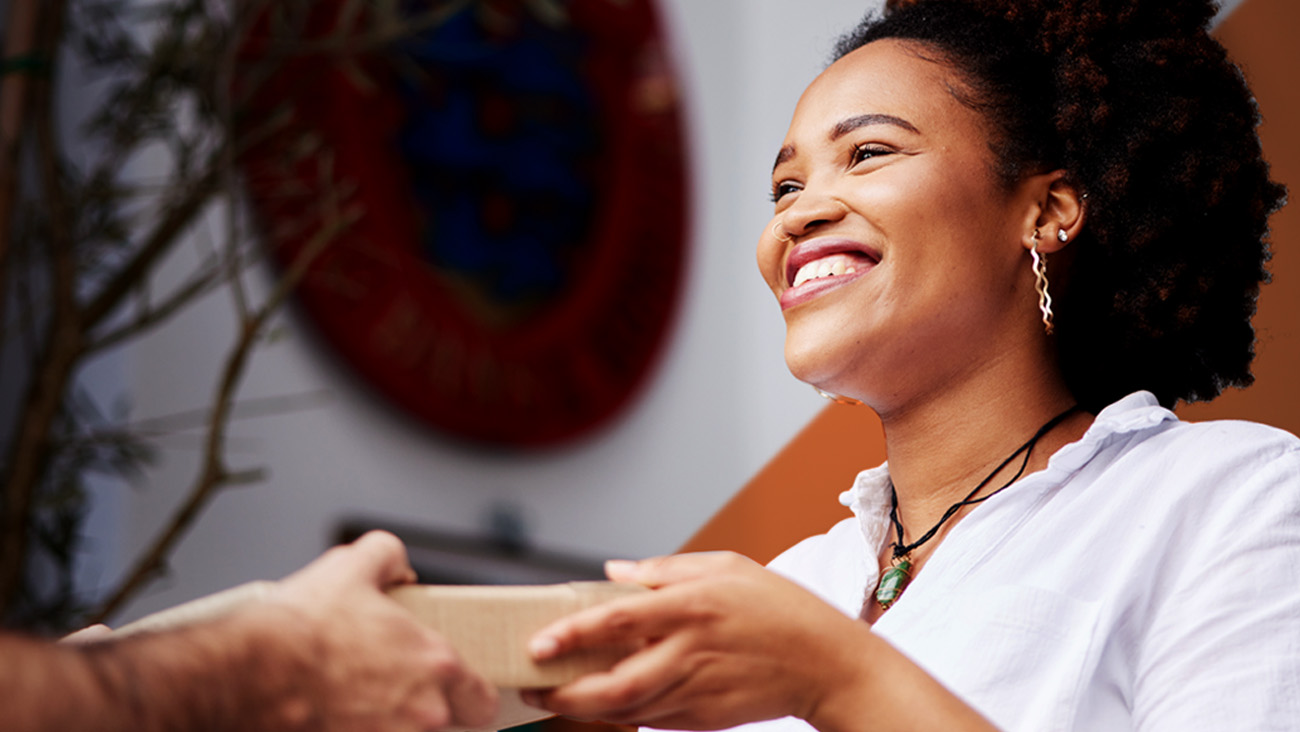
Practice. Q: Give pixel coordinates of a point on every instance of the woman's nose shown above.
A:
(810, 213)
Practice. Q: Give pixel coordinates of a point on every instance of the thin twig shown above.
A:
(226, 112)
(213, 474)
(167, 233)
(155, 315)
(165, 236)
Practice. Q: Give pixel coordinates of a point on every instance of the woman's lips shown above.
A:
(820, 265)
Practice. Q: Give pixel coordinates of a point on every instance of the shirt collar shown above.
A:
(869, 498)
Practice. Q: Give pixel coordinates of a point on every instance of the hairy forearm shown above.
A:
(47, 687)
(199, 679)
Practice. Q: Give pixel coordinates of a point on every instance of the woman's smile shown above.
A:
(820, 265)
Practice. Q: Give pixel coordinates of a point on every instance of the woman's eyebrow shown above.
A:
(782, 155)
(846, 126)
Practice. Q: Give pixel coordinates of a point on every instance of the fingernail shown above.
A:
(543, 646)
(616, 568)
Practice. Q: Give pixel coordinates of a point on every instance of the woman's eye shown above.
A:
(783, 188)
(866, 152)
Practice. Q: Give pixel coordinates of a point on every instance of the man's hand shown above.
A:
(358, 660)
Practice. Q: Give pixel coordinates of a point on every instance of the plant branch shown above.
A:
(198, 286)
(213, 475)
(30, 448)
(19, 44)
(165, 236)
(167, 233)
(226, 113)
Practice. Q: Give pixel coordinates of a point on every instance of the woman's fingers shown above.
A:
(631, 692)
(618, 622)
(661, 571)
(641, 617)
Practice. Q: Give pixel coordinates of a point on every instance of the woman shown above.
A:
(1048, 547)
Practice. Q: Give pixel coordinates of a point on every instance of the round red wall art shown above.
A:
(492, 211)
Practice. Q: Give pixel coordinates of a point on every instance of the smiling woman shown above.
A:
(906, 194)
(1047, 546)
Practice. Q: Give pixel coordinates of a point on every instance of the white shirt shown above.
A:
(1147, 579)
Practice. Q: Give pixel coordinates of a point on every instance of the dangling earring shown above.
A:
(848, 401)
(1040, 285)
(778, 230)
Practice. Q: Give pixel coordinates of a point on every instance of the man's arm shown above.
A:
(327, 651)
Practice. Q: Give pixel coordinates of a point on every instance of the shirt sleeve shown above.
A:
(1221, 646)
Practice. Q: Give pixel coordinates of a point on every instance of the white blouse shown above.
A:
(1147, 579)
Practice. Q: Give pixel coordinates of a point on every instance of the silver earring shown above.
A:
(837, 398)
(1040, 285)
(1061, 236)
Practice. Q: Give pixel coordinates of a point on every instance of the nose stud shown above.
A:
(778, 226)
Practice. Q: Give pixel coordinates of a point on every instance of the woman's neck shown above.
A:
(940, 448)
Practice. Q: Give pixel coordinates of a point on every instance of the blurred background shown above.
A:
(478, 272)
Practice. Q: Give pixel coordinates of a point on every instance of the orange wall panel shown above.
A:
(796, 494)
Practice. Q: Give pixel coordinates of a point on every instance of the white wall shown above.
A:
(720, 404)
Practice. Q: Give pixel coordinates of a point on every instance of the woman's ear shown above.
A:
(1058, 212)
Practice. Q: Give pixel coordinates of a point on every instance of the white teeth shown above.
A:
(805, 273)
(822, 268)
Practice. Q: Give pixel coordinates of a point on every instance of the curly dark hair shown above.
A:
(1149, 118)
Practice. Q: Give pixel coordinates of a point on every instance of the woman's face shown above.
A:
(897, 255)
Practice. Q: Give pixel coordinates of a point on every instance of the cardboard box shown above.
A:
(488, 625)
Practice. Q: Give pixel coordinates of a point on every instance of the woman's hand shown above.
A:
(724, 642)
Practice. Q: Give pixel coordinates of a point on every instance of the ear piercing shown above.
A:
(1040, 277)
(1061, 236)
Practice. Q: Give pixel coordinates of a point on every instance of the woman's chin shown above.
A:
(817, 378)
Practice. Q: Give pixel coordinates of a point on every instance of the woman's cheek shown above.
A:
(768, 256)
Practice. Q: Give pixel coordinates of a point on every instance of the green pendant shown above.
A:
(893, 582)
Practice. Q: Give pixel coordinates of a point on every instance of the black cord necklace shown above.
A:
(895, 579)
